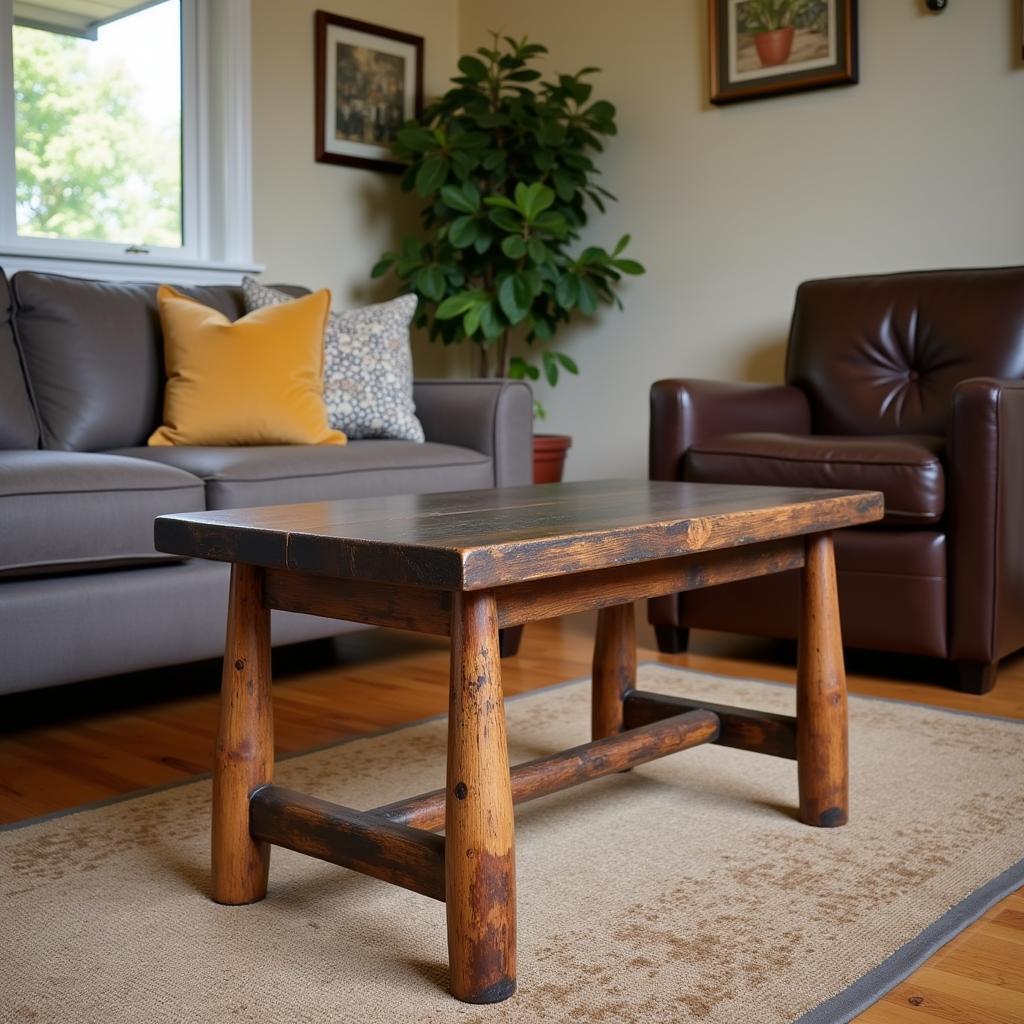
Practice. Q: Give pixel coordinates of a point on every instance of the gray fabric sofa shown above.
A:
(83, 592)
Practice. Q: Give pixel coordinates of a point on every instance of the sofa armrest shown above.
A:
(684, 412)
(490, 416)
(985, 464)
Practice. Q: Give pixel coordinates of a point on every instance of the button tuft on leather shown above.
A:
(913, 375)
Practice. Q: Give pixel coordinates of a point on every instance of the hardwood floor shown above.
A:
(66, 747)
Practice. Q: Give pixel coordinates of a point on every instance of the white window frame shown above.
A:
(216, 164)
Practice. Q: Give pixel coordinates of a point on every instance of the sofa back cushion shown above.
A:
(882, 354)
(18, 427)
(93, 353)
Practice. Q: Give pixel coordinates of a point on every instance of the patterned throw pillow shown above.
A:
(367, 365)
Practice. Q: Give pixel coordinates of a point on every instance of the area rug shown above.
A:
(683, 891)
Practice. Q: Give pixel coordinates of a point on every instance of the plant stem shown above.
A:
(505, 353)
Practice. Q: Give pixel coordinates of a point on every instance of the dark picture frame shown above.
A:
(750, 58)
(375, 79)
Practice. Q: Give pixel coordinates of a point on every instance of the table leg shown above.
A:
(244, 757)
(479, 831)
(614, 669)
(821, 737)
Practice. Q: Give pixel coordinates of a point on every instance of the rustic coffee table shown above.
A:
(466, 565)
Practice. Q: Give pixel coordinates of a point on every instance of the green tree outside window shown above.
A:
(89, 165)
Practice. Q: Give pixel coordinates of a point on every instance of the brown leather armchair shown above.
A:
(910, 384)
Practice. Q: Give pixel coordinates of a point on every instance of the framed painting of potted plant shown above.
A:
(369, 82)
(763, 48)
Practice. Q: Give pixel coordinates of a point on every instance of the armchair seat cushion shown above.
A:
(245, 477)
(908, 470)
(64, 512)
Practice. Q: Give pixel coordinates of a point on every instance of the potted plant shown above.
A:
(504, 163)
(772, 24)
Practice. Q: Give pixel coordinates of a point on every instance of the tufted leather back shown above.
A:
(882, 354)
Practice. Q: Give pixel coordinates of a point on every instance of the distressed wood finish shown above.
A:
(476, 540)
(602, 588)
(428, 610)
(467, 565)
(244, 757)
(822, 755)
(613, 673)
(546, 775)
(376, 604)
(362, 841)
(760, 731)
(480, 879)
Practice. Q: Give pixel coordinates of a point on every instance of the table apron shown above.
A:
(428, 610)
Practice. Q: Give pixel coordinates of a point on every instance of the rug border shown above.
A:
(841, 1008)
(869, 988)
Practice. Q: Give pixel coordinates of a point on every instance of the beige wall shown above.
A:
(320, 224)
(921, 165)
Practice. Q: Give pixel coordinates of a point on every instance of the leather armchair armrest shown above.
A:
(986, 518)
(490, 416)
(686, 411)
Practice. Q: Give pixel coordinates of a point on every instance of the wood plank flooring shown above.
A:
(66, 747)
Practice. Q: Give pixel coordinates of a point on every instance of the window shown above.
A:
(112, 144)
(97, 130)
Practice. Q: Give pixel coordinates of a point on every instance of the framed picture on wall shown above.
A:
(763, 48)
(369, 81)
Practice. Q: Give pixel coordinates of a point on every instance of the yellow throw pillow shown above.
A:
(258, 380)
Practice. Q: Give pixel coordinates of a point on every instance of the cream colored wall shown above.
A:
(920, 165)
(319, 224)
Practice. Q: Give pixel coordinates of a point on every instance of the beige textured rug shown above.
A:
(682, 891)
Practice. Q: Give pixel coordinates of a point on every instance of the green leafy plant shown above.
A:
(504, 160)
(770, 15)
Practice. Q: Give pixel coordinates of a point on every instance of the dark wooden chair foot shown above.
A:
(977, 676)
(672, 639)
(508, 641)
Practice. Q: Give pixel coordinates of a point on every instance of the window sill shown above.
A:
(115, 267)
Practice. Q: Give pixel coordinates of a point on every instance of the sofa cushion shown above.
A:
(64, 512)
(18, 427)
(367, 365)
(93, 355)
(907, 470)
(282, 474)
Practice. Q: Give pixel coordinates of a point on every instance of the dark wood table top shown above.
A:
(469, 540)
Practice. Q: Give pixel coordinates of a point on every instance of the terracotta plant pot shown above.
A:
(774, 47)
(549, 452)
